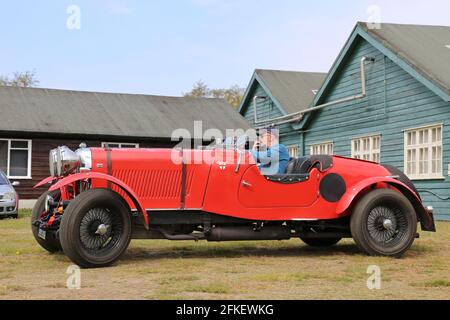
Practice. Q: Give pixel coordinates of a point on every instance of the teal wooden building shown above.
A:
(402, 119)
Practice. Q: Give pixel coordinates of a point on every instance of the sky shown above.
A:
(164, 47)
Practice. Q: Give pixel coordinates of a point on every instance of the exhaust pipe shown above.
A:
(248, 233)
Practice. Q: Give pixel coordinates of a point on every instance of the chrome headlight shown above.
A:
(85, 156)
(53, 161)
(63, 161)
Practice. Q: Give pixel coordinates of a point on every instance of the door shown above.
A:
(255, 191)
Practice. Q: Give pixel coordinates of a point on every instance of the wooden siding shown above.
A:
(395, 101)
(40, 165)
(266, 110)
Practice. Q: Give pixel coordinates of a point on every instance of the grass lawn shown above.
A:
(154, 269)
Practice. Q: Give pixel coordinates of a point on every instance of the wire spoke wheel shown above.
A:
(100, 229)
(387, 224)
(384, 222)
(96, 228)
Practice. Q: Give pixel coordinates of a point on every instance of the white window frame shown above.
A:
(359, 154)
(136, 145)
(8, 159)
(293, 151)
(429, 145)
(326, 144)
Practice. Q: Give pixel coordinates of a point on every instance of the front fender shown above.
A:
(101, 176)
(45, 181)
(426, 219)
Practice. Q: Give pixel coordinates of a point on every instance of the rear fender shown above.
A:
(101, 176)
(425, 217)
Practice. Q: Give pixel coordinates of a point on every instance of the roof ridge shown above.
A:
(104, 92)
(364, 23)
(292, 71)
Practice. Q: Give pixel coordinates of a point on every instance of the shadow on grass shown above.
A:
(136, 254)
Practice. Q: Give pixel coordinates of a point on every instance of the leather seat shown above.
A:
(297, 170)
(299, 165)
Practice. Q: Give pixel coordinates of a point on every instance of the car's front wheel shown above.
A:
(384, 223)
(96, 228)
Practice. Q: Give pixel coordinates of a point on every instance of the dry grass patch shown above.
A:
(157, 269)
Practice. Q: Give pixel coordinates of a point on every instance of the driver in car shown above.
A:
(272, 156)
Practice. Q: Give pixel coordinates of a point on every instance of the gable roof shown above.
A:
(420, 50)
(292, 91)
(110, 114)
(425, 47)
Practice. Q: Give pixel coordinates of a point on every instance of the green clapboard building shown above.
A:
(404, 117)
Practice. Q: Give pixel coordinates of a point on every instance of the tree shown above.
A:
(233, 95)
(199, 90)
(20, 79)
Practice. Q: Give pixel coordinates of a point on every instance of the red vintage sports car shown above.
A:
(100, 198)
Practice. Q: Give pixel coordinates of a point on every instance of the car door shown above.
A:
(255, 191)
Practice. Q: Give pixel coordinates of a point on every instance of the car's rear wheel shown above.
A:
(96, 228)
(384, 223)
(320, 242)
(51, 243)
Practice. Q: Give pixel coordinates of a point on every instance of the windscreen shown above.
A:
(3, 179)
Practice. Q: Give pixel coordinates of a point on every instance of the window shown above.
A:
(15, 158)
(322, 148)
(367, 148)
(423, 153)
(119, 145)
(293, 151)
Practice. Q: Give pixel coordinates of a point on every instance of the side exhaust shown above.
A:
(248, 233)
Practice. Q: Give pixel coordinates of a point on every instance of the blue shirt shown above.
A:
(273, 160)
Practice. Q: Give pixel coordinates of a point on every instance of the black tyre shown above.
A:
(96, 228)
(384, 222)
(14, 216)
(320, 242)
(50, 244)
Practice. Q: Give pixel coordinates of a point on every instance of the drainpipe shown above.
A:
(298, 116)
(255, 113)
